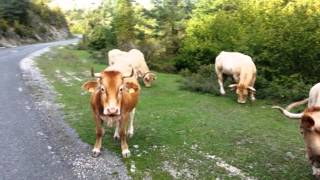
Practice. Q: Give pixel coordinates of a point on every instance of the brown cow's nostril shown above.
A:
(112, 110)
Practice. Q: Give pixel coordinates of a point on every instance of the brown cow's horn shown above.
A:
(92, 72)
(97, 75)
(132, 73)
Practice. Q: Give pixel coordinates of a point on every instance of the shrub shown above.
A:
(204, 80)
(3, 25)
(22, 30)
(101, 38)
(283, 89)
(281, 36)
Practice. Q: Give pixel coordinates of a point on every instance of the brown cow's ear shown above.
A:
(307, 122)
(131, 87)
(90, 86)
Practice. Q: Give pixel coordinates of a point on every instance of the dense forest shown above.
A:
(33, 20)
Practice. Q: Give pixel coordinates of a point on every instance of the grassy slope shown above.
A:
(174, 129)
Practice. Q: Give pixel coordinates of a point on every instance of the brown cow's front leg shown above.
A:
(99, 135)
(123, 138)
(131, 119)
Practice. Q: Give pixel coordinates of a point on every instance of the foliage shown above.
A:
(3, 25)
(53, 16)
(202, 81)
(22, 16)
(14, 10)
(281, 36)
(102, 38)
(123, 24)
(157, 32)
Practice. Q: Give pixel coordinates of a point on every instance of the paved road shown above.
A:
(23, 155)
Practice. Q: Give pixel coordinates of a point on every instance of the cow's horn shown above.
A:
(95, 74)
(233, 85)
(287, 113)
(129, 76)
(252, 88)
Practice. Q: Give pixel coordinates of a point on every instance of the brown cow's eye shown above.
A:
(121, 89)
(102, 89)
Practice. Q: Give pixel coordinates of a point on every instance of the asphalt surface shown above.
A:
(27, 150)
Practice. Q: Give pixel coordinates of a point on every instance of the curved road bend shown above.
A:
(22, 154)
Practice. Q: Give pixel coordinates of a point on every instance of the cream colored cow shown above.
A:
(135, 59)
(243, 71)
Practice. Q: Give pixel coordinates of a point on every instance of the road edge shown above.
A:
(64, 140)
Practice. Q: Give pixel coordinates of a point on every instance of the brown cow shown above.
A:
(309, 125)
(113, 100)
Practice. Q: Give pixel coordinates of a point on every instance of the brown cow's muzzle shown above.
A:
(315, 161)
(111, 111)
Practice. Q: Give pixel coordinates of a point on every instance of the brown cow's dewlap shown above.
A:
(110, 120)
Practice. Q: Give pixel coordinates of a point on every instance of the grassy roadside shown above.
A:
(181, 134)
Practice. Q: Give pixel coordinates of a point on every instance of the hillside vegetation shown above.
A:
(282, 37)
(24, 21)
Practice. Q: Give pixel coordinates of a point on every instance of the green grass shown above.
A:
(175, 129)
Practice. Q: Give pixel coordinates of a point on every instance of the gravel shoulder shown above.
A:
(64, 141)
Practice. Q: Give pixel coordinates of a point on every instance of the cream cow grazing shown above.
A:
(309, 126)
(134, 58)
(243, 71)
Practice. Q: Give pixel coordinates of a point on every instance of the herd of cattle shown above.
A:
(115, 93)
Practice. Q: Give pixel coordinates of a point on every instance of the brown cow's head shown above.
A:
(148, 78)
(310, 128)
(242, 91)
(111, 87)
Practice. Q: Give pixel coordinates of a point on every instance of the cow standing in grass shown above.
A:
(309, 125)
(243, 71)
(113, 100)
(134, 58)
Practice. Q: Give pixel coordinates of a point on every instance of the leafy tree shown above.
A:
(123, 24)
(14, 10)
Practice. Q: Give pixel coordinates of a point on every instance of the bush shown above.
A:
(22, 30)
(102, 38)
(204, 80)
(283, 89)
(3, 25)
(281, 36)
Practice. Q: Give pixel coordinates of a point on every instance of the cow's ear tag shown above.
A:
(91, 90)
(131, 90)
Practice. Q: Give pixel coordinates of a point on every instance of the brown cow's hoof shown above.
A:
(95, 153)
(116, 137)
(126, 153)
(130, 133)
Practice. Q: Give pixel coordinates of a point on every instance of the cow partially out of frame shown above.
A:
(309, 125)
